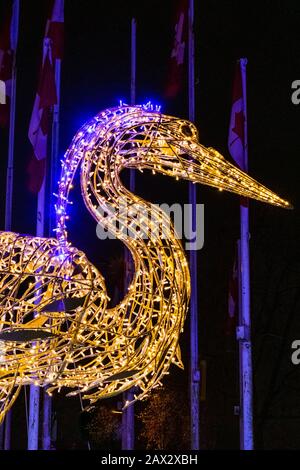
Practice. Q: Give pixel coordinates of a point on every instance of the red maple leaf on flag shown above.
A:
(238, 128)
(176, 62)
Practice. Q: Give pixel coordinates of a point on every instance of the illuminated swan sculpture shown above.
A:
(56, 327)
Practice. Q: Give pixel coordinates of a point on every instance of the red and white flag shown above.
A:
(176, 64)
(46, 97)
(8, 40)
(236, 138)
(233, 299)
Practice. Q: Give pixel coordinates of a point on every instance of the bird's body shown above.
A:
(33, 280)
(103, 351)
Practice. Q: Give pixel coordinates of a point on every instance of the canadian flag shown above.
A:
(176, 64)
(8, 41)
(236, 138)
(46, 97)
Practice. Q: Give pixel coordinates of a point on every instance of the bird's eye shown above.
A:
(186, 130)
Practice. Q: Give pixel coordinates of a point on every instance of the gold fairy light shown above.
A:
(36, 325)
(56, 327)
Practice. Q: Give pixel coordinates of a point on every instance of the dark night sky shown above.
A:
(95, 75)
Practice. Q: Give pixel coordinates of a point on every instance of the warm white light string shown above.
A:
(90, 348)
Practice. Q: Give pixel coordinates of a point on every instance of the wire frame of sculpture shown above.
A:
(44, 297)
(98, 350)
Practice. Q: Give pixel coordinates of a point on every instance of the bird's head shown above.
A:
(171, 146)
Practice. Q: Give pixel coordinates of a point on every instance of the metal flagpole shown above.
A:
(54, 160)
(47, 400)
(14, 32)
(133, 64)
(244, 328)
(2, 436)
(53, 167)
(33, 418)
(7, 431)
(10, 161)
(194, 348)
(128, 434)
(34, 396)
(40, 219)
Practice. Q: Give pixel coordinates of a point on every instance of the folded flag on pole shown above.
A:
(236, 138)
(176, 64)
(7, 51)
(46, 97)
(44, 100)
(55, 29)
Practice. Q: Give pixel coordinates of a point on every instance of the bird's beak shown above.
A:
(199, 164)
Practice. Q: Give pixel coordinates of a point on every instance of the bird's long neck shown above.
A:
(155, 305)
(160, 265)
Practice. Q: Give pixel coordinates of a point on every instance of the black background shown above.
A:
(95, 75)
